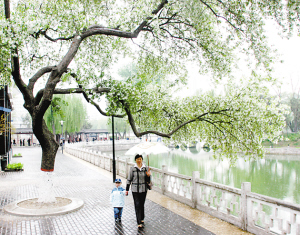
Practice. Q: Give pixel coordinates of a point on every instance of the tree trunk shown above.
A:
(52, 122)
(48, 144)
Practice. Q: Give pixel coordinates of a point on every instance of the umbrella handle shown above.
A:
(148, 160)
(148, 163)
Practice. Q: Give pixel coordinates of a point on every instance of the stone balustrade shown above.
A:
(250, 211)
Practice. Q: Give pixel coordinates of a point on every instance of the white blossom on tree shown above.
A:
(67, 41)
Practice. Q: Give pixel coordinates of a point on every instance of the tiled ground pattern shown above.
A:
(72, 179)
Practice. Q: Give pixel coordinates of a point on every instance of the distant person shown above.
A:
(20, 142)
(117, 199)
(14, 142)
(28, 141)
(139, 179)
(23, 142)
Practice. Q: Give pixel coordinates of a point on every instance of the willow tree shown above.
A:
(75, 41)
(70, 109)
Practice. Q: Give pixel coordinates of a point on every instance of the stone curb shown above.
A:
(14, 209)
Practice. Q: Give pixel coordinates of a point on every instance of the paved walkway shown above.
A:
(76, 178)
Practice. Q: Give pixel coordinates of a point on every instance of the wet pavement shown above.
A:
(73, 178)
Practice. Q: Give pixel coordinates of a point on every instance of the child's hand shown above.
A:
(126, 193)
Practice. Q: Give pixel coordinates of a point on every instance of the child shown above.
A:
(117, 199)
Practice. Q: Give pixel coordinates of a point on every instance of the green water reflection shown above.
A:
(275, 176)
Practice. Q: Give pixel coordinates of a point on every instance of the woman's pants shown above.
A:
(139, 203)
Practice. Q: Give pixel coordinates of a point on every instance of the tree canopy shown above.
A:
(79, 42)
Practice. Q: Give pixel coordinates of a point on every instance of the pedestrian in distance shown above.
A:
(139, 178)
(117, 199)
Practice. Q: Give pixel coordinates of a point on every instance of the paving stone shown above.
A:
(72, 179)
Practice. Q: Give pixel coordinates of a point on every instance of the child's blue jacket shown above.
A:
(117, 197)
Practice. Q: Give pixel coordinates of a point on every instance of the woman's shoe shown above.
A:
(140, 226)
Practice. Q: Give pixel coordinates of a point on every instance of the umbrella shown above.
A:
(148, 148)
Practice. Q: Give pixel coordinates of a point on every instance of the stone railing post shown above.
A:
(164, 179)
(117, 166)
(126, 167)
(196, 175)
(110, 163)
(246, 188)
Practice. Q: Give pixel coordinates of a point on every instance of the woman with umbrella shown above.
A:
(139, 179)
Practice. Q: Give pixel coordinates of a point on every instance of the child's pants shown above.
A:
(118, 212)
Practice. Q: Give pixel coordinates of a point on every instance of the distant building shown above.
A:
(5, 126)
(19, 112)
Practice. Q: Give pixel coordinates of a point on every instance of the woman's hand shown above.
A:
(148, 173)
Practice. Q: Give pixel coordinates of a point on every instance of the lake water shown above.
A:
(275, 176)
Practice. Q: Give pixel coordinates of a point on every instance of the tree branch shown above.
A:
(39, 95)
(219, 16)
(134, 129)
(16, 74)
(44, 32)
(57, 39)
(97, 106)
(38, 75)
(123, 34)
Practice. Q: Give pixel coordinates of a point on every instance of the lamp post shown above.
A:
(62, 132)
(114, 157)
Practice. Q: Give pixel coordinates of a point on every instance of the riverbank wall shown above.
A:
(283, 151)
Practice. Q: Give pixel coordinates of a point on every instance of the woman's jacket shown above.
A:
(138, 179)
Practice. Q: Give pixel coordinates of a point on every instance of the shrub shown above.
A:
(15, 166)
(292, 136)
(16, 155)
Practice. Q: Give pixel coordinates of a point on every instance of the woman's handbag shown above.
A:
(149, 185)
